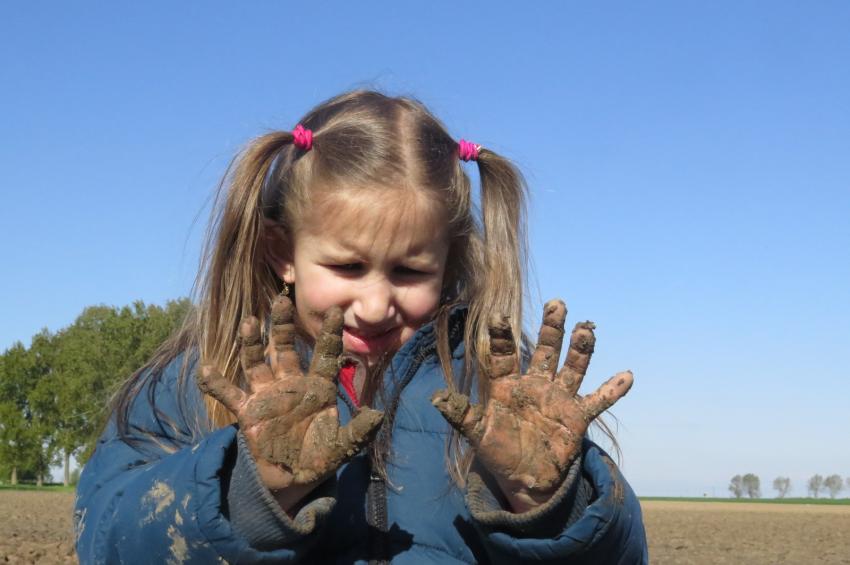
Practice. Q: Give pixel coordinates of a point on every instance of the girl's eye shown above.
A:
(407, 271)
(351, 269)
(347, 268)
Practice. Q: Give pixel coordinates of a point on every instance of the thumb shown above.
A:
(463, 416)
(355, 434)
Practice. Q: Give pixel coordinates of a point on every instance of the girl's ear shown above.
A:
(278, 251)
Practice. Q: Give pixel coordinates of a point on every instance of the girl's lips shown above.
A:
(368, 344)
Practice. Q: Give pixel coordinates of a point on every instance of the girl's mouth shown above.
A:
(366, 344)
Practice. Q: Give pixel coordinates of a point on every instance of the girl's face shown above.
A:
(379, 256)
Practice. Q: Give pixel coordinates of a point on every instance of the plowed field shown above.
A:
(751, 533)
(35, 527)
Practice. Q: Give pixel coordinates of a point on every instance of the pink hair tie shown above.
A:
(302, 138)
(467, 150)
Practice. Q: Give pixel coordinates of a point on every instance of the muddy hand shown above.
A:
(290, 419)
(532, 427)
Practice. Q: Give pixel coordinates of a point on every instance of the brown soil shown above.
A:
(752, 533)
(36, 527)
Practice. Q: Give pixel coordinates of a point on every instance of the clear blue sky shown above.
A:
(689, 165)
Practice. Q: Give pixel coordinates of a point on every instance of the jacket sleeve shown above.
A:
(162, 497)
(594, 517)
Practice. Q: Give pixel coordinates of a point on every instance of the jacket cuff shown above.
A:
(255, 515)
(566, 506)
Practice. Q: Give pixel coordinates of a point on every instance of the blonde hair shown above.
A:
(360, 139)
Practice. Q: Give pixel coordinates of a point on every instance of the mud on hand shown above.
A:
(531, 428)
(290, 419)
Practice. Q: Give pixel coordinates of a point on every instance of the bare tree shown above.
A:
(752, 485)
(815, 484)
(834, 484)
(782, 485)
(736, 486)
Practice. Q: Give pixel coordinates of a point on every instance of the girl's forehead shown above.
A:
(396, 221)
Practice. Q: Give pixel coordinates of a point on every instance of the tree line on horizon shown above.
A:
(750, 485)
(54, 394)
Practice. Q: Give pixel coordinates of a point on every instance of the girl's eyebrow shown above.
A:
(342, 248)
(343, 257)
(331, 247)
(423, 259)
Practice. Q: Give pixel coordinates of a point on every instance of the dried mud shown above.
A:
(36, 527)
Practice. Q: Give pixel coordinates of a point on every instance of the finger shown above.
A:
(582, 343)
(325, 363)
(286, 360)
(211, 382)
(357, 433)
(460, 413)
(503, 360)
(544, 361)
(605, 396)
(251, 353)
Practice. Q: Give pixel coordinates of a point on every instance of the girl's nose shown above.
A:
(375, 302)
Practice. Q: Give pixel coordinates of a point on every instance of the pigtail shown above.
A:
(488, 268)
(504, 253)
(236, 279)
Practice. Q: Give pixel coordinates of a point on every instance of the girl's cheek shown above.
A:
(314, 296)
(422, 302)
(320, 296)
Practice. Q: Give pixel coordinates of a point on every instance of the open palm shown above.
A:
(532, 425)
(290, 419)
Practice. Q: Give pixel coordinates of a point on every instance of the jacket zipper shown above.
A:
(376, 494)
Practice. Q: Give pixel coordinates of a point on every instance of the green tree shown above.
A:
(144, 328)
(54, 396)
(53, 400)
(736, 486)
(782, 486)
(833, 484)
(815, 484)
(19, 444)
(752, 485)
(86, 368)
(42, 354)
(103, 347)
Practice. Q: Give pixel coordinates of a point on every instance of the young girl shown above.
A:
(358, 336)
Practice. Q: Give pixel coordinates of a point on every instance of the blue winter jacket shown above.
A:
(184, 494)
